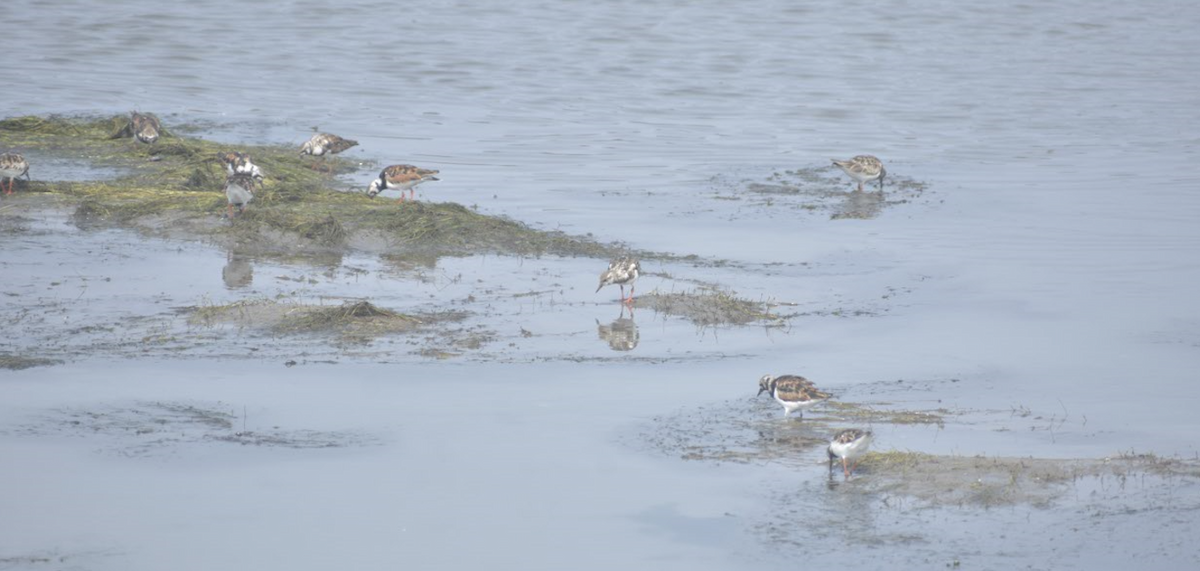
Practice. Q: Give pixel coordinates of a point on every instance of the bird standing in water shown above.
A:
(12, 166)
(621, 271)
(849, 444)
(792, 391)
(863, 168)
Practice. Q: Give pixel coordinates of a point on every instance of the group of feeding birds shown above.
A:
(242, 175)
(797, 393)
(794, 392)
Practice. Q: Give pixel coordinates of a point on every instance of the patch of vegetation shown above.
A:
(359, 321)
(179, 181)
(710, 307)
(998, 481)
(19, 362)
(863, 414)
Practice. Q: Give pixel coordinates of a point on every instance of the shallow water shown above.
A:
(1047, 267)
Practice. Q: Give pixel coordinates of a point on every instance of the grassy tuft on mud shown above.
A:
(712, 307)
(862, 414)
(352, 319)
(18, 362)
(998, 481)
(357, 321)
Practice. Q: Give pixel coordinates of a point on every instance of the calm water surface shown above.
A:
(1052, 266)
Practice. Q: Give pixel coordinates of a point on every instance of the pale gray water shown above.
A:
(1052, 266)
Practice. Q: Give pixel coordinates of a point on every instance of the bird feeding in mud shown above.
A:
(322, 144)
(863, 168)
(12, 166)
(240, 163)
(239, 192)
(621, 271)
(402, 178)
(794, 392)
(849, 445)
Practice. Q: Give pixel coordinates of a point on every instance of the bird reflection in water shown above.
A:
(622, 334)
(237, 273)
(860, 206)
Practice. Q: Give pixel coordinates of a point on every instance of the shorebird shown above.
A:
(863, 168)
(145, 127)
(402, 177)
(239, 190)
(792, 391)
(12, 166)
(621, 271)
(848, 445)
(141, 126)
(239, 163)
(321, 144)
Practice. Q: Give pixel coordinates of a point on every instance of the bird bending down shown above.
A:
(322, 144)
(863, 168)
(145, 127)
(849, 444)
(239, 163)
(621, 271)
(402, 177)
(12, 166)
(239, 192)
(792, 391)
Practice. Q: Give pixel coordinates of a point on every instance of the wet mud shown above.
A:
(150, 429)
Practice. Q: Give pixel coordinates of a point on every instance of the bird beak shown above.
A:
(761, 390)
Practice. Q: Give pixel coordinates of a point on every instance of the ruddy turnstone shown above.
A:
(621, 271)
(145, 127)
(12, 166)
(403, 177)
(863, 168)
(792, 391)
(239, 163)
(849, 444)
(322, 144)
(239, 190)
(141, 126)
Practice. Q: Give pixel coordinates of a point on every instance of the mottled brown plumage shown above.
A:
(863, 168)
(240, 163)
(849, 444)
(401, 177)
(621, 271)
(12, 166)
(144, 127)
(323, 143)
(792, 391)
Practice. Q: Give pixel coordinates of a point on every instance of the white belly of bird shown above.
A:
(852, 450)
(238, 195)
(790, 406)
